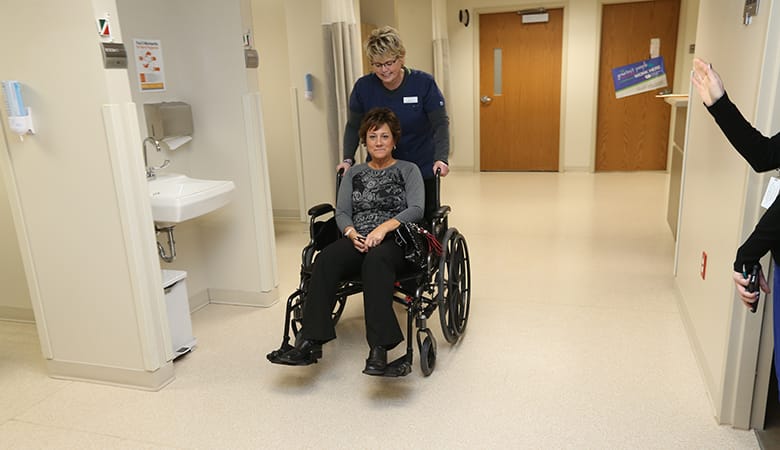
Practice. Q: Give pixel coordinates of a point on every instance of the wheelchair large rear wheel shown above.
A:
(454, 285)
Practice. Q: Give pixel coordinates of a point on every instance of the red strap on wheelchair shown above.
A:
(433, 243)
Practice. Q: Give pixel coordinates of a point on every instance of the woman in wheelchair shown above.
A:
(373, 200)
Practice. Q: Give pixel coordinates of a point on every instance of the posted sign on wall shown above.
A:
(149, 64)
(639, 77)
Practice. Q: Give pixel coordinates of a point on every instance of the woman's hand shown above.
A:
(748, 298)
(707, 81)
(378, 234)
(359, 242)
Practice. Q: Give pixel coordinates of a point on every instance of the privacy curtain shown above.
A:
(342, 36)
(441, 56)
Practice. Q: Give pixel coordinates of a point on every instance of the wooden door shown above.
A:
(633, 132)
(520, 72)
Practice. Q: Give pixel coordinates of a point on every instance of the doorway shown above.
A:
(520, 91)
(633, 132)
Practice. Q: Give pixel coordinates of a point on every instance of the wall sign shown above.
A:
(639, 77)
(149, 64)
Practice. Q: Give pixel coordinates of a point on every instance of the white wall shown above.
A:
(98, 314)
(319, 145)
(204, 66)
(415, 27)
(379, 12)
(582, 23)
(14, 296)
(720, 195)
(270, 25)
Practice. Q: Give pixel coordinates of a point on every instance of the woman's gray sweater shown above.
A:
(369, 197)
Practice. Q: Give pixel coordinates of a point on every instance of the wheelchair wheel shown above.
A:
(454, 285)
(428, 355)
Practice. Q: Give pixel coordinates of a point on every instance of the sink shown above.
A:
(176, 197)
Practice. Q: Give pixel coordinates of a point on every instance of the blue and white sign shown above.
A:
(643, 76)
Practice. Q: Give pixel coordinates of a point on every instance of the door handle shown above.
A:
(485, 100)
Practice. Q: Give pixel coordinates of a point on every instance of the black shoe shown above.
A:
(308, 352)
(376, 362)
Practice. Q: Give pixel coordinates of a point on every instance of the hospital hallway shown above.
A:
(575, 340)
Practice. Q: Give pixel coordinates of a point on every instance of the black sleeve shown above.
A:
(441, 134)
(351, 137)
(761, 152)
(763, 238)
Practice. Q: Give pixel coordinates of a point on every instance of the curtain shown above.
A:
(441, 56)
(342, 41)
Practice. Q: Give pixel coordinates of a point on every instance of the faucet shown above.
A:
(150, 170)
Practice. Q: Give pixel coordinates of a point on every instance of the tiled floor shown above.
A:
(575, 341)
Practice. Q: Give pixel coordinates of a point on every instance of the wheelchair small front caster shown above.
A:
(427, 352)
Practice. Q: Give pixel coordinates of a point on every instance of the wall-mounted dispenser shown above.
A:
(169, 122)
(19, 116)
(251, 58)
(309, 92)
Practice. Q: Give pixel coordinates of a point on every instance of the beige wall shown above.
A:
(204, 66)
(14, 297)
(415, 24)
(579, 81)
(582, 29)
(721, 193)
(97, 312)
(275, 85)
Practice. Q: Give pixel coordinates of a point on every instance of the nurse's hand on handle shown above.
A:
(742, 282)
(445, 169)
(707, 81)
(344, 165)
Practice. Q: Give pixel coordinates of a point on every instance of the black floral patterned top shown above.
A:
(368, 197)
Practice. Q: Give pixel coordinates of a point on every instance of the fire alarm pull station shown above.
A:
(703, 265)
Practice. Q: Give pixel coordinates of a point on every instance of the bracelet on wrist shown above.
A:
(349, 161)
(348, 232)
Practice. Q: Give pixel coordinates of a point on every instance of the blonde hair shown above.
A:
(384, 42)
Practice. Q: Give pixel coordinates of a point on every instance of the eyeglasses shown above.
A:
(386, 64)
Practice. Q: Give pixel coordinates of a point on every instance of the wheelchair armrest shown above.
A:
(322, 208)
(443, 211)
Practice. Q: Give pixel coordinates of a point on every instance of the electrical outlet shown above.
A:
(703, 271)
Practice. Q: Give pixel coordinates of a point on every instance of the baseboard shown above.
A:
(199, 300)
(113, 376)
(243, 298)
(577, 169)
(287, 214)
(13, 314)
(698, 352)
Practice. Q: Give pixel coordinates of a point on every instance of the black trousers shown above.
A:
(377, 269)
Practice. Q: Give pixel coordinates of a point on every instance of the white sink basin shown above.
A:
(176, 198)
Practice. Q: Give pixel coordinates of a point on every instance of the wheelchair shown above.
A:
(443, 284)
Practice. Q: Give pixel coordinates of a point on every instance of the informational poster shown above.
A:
(149, 64)
(636, 78)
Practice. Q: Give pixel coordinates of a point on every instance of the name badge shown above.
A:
(408, 100)
(772, 189)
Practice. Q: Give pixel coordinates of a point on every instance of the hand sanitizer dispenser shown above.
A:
(19, 116)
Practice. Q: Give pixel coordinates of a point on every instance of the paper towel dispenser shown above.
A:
(168, 120)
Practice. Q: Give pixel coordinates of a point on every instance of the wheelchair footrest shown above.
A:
(274, 355)
(401, 367)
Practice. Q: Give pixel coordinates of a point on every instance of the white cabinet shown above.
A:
(178, 307)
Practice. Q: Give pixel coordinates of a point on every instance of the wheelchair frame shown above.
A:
(444, 284)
